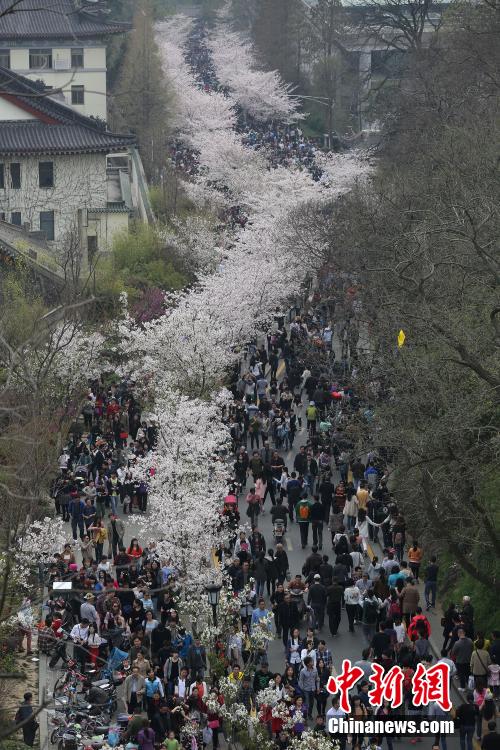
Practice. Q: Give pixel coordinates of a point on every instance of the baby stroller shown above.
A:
(279, 529)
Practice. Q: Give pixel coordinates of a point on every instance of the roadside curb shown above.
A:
(42, 696)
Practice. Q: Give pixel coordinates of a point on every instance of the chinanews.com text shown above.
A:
(393, 726)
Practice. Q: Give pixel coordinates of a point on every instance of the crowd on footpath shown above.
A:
(124, 595)
(284, 145)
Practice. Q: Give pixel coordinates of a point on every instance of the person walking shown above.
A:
(312, 418)
(76, 511)
(410, 598)
(253, 507)
(288, 617)
(26, 717)
(316, 599)
(134, 688)
(334, 596)
(479, 663)
(415, 555)
(309, 684)
(352, 597)
(293, 490)
(100, 535)
(317, 520)
(461, 652)
(303, 518)
(430, 586)
(116, 531)
(311, 472)
(466, 721)
(260, 573)
(370, 609)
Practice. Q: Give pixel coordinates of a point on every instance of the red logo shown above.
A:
(344, 682)
(428, 685)
(388, 687)
(432, 684)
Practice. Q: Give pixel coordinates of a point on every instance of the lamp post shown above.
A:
(213, 594)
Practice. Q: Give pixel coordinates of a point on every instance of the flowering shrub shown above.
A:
(313, 741)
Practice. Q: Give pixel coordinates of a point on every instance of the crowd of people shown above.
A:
(124, 594)
(283, 145)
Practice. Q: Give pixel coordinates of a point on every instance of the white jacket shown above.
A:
(352, 595)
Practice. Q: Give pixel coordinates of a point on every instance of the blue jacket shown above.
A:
(76, 508)
(153, 686)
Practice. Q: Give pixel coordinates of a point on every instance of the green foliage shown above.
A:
(217, 665)
(141, 96)
(8, 662)
(12, 743)
(420, 239)
(169, 199)
(278, 31)
(486, 616)
(139, 260)
(22, 306)
(157, 198)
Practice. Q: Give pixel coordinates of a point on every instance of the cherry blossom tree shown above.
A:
(184, 356)
(187, 481)
(193, 238)
(31, 545)
(197, 112)
(314, 741)
(260, 93)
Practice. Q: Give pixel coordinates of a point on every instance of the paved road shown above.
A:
(345, 644)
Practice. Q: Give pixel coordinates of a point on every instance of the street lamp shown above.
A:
(213, 594)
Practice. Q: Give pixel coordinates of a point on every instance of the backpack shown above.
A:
(370, 612)
(304, 512)
(407, 683)
(394, 609)
(342, 546)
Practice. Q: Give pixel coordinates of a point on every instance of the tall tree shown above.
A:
(398, 24)
(422, 241)
(335, 68)
(142, 97)
(279, 32)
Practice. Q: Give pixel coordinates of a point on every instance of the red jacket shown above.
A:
(412, 627)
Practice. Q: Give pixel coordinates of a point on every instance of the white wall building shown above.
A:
(57, 174)
(63, 43)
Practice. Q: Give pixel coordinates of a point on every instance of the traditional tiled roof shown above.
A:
(35, 137)
(57, 129)
(55, 19)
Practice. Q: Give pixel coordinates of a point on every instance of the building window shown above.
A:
(46, 174)
(5, 58)
(2, 177)
(2, 215)
(15, 218)
(77, 95)
(77, 57)
(387, 63)
(92, 247)
(47, 224)
(40, 58)
(15, 175)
